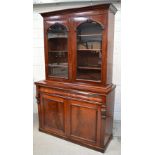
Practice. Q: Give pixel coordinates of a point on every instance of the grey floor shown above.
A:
(44, 144)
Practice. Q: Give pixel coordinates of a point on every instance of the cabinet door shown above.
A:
(83, 122)
(57, 55)
(53, 114)
(89, 48)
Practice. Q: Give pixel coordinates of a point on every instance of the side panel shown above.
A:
(110, 46)
(109, 116)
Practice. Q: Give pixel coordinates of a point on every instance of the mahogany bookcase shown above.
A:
(76, 100)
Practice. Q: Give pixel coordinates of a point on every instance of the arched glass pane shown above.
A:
(57, 51)
(89, 51)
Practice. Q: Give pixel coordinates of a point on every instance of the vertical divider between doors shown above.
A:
(98, 134)
(69, 49)
(67, 117)
(73, 48)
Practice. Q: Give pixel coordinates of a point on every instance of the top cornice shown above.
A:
(109, 6)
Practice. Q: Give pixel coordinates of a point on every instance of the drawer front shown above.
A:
(74, 94)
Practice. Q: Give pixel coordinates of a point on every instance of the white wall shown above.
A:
(117, 63)
(38, 46)
(59, 1)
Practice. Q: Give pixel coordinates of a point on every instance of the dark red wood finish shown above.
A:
(78, 110)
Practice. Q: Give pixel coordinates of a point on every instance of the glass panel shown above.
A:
(57, 51)
(89, 51)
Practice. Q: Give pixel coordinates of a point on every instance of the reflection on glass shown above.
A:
(57, 51)
(89, 53)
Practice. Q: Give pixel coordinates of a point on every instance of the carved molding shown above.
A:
(37, 95)
(38, 99)
(103, 113)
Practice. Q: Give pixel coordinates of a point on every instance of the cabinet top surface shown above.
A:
(76, 86)
(108, 6)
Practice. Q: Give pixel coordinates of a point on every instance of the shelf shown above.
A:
(58, 75)
(86, 35)
(89, 49)
(61, 37)
(61, 65)
(55, 51)
(87, 41)
(57, 36)
(89, 68)
(56, 31)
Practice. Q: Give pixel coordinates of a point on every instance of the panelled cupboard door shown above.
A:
(89, 46)
(57, 49)
(83, 121)
(53, 114)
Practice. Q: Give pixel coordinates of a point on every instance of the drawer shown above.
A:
(74, 94)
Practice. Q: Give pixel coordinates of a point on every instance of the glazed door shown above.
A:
(90, 38)
(53, 114)
(83, 122)
(57, 49)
